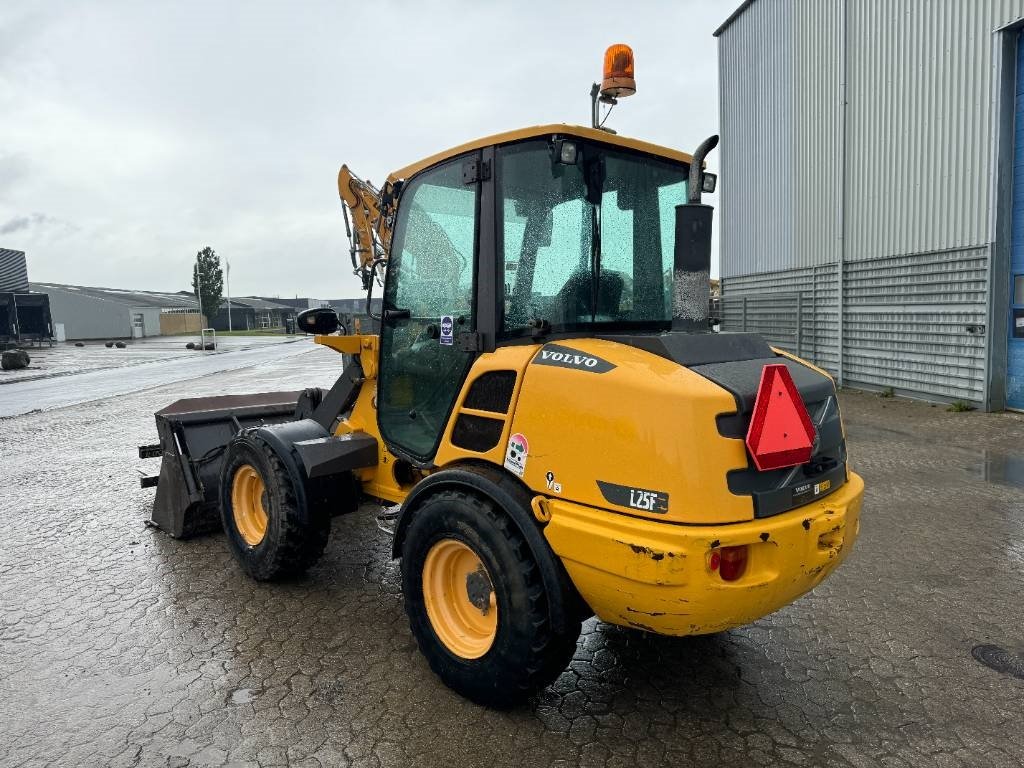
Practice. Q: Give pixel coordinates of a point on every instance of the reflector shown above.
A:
(781, 433)
(714, 560)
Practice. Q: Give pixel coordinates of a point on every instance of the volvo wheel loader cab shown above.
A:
(547, 407)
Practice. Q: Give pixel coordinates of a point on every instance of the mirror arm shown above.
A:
(369, 290)
(390, 315)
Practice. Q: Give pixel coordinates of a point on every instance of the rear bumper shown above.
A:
(656, 576)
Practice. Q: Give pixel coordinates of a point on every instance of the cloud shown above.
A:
(20, 223)
(158, 128)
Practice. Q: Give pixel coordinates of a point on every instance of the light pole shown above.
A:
(199, 294)
(228, 270)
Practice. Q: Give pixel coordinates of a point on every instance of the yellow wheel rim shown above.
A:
(460, 599)
(248, 498)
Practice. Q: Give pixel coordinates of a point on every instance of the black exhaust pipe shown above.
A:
(691, 278)
(696, 183)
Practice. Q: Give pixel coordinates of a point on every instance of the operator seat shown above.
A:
(575, 296)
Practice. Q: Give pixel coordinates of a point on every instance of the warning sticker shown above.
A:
(447, 330)
(516, 453)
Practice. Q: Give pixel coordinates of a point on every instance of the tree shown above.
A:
(211, 281)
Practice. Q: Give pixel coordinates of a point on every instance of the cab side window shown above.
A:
(429, 275)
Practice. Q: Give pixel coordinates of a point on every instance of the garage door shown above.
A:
(1015, 342)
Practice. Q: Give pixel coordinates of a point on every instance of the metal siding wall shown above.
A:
(917, 185)
(906, 323)
(13, 271)
(86, 317)
(811, 333)
(919, 124)
(151, 319)
(755, 78)
(917, 194)
(817, 160)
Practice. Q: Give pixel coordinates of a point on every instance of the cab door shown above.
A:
(428, 304)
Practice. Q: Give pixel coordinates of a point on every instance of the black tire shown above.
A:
(526, 654)
(295, 536)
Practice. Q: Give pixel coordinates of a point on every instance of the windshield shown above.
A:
(590, 243)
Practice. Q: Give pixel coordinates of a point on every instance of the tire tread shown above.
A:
(296, 541)
(538, 658)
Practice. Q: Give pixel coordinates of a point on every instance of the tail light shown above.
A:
(733, 562)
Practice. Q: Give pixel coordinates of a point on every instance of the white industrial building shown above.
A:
(111, 313)
(869, 203)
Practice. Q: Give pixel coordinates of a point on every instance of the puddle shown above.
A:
(1000, 468)
(242, 696)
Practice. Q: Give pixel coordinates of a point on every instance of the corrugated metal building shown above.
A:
(13, 271)
(250, 313)
(24, 316)
(867, 199)
(111, 313)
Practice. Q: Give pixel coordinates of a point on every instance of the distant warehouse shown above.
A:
(872, 207)
(112, 313)
(24, 315)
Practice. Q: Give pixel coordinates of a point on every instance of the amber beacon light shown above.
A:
(617, 82)
(618, 72)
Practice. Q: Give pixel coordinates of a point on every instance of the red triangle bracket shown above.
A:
(781, 433)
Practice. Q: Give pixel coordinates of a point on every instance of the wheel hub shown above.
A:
(249, 505)
(479, 590)
(460, 599)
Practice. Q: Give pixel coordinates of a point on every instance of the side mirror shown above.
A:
(320, 320)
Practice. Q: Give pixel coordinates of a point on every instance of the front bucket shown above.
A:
(193, 435)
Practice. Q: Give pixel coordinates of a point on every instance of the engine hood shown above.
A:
(653, 426)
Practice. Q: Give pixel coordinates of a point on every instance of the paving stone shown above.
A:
(121, 646)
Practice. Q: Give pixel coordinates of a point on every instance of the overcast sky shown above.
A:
(134, 133)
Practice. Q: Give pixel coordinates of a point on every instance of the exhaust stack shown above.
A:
(691, 278)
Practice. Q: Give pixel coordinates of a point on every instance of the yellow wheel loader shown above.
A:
(546, 411)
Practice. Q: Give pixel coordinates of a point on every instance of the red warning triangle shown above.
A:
(781, 433)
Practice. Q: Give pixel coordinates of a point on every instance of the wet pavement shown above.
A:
(94, 374)
(65, 358)
(120, 646)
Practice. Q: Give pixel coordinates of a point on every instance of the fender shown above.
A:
(281, 439)
(321, 465)
(513, 497)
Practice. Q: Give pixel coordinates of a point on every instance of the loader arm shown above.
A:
(369, 214)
